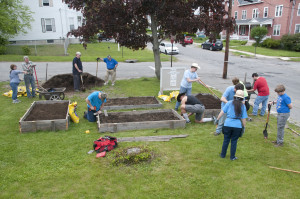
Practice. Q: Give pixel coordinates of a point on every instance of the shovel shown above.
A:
(82, 88)
(265, 132)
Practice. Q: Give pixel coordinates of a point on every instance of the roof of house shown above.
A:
(244, 2)
(254, 21)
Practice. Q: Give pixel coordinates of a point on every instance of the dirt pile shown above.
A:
(66, 80)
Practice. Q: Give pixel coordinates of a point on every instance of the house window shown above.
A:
(48, 25)
(236, 14)
(244, 14)
(278, 11)
(236, 29)
(232, 2)
(297, 28)
(276, 30)
(79, 20)
(243, 30)
(266, 9)
(46, 3)
(255, 13)
(298, 13)
(51, 41)
(71, 21)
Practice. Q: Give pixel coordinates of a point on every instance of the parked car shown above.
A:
(167, 48)
(102, 36)
(188, 40)
(218, 45)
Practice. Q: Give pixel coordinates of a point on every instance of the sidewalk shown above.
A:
(260, 56)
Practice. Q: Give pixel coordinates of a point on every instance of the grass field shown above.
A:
(56, 164)
(56, 53)
(267, 51)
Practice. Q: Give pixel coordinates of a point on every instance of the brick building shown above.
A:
(280, 17)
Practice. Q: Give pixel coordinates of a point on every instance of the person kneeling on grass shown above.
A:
(283, 106)
(95, 103)
(234, 124)
(191, 104)
(14, 82)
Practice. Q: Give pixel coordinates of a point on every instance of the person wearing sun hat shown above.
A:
(189, 77)
(234, 124)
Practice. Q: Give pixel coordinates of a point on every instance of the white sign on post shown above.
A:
(170, 78)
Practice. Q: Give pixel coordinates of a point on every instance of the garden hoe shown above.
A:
(37, 81)
(82, 88)
(265, 132)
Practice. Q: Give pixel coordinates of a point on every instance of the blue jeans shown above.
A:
(14, 88)
(230, 134)
(263, 100)
(76, 79)
(187, 91)
(29, 80)
(221, 123)
(90, 115)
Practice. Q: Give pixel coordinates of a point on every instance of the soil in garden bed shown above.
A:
(66, 80)
(123, 118)
(131, 101)
(48, 112)
(209, 101)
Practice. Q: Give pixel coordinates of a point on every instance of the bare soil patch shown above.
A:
(48, 112)
(209, 101)
(130, 101)
(117, 118)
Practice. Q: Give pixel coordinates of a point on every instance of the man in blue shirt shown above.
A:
(189, 77)
(111, 65)
(77, 70)
(283, 106)
(95, 103)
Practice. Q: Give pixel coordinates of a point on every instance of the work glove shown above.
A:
(98, 58)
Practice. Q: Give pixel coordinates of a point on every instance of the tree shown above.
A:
(14, 19)
(258, 33)
(127, 20)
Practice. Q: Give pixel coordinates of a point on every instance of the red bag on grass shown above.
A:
(106, 144)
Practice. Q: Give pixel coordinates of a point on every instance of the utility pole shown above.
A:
(227, 43)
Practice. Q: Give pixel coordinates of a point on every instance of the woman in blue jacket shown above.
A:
(14, 82)
(234, 123)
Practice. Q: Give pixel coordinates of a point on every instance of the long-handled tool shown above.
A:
(82, 88)
(265, 132)
(37, 81)
(208, 88)
(97, 67)
(293, 131)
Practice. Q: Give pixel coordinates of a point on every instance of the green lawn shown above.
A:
(51, 53)
(267, 51)
(56, 164)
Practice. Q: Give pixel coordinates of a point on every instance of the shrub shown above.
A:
(26, 50)
(291, 42)
(271, 43)
(2, 50)
(243, 42)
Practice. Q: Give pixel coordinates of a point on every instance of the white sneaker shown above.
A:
(105, 83)
(112, 84)
(15, 101)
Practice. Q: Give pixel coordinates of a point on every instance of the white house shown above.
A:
(53, 19)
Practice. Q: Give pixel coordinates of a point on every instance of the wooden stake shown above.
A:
(284, 169)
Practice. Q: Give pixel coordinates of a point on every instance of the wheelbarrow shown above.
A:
(52, 93)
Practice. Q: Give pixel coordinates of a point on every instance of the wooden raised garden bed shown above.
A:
(131, 103)
(212, 104)
(148, 119)
(46, 116)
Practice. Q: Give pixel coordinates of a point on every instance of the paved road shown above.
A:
(276, 71)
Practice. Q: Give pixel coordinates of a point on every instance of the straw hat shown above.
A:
(239, 94)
